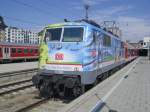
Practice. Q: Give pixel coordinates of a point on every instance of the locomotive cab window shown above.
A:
(73, 34)
(53, 34)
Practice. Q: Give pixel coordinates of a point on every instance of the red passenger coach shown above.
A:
(130, 51)
(11, 52)
(1, 56)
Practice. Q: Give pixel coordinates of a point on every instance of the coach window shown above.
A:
(13, 50)
(107, 40)
(19, 51)
(25, 51)
(31, 50)
(0, 50)
(36, 51)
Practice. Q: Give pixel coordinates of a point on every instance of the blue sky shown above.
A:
(132, 15)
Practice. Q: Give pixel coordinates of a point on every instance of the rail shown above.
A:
(26, 108)
(8, 74)
(18, 84)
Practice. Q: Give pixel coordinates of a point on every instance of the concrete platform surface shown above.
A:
(128, 90)
(10, 67)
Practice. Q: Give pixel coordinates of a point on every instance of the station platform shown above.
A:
(128, 90)
(12, 67)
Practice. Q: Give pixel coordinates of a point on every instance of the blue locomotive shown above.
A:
(74, 55)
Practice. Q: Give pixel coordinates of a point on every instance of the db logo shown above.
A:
(59, 56)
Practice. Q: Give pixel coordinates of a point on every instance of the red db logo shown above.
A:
(59, 56)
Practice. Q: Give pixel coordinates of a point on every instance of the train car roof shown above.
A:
(67, 24)
(81, 23)
(14, 44)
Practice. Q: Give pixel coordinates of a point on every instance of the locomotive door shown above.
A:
(100, 52)
(6, 52)
(98, 43)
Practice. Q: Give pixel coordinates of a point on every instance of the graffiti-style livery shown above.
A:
(75, 54)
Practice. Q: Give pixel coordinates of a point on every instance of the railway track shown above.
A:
(32, 105)
(25, 101)
(15, 73)
(43, 104)
(30, 101)
(15, 86)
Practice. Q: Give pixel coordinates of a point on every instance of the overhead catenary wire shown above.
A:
(30, 6)
(54, 7)
(36, 27)
(37, 9)
(45, 2)
(20, 20)
(19, 2)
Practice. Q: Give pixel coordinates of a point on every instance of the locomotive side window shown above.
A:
(53, 34)
(94, 36)
(106, 40)
(13, 50)
(73, 34)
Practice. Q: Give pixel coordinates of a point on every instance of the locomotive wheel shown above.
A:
(77, 90)
(45, 90)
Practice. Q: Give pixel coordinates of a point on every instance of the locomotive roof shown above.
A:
(82, 23)
(66, 24)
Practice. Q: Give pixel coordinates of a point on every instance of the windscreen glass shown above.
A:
(73, 34)
(53, 34)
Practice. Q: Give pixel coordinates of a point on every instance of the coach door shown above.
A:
(6, 52)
